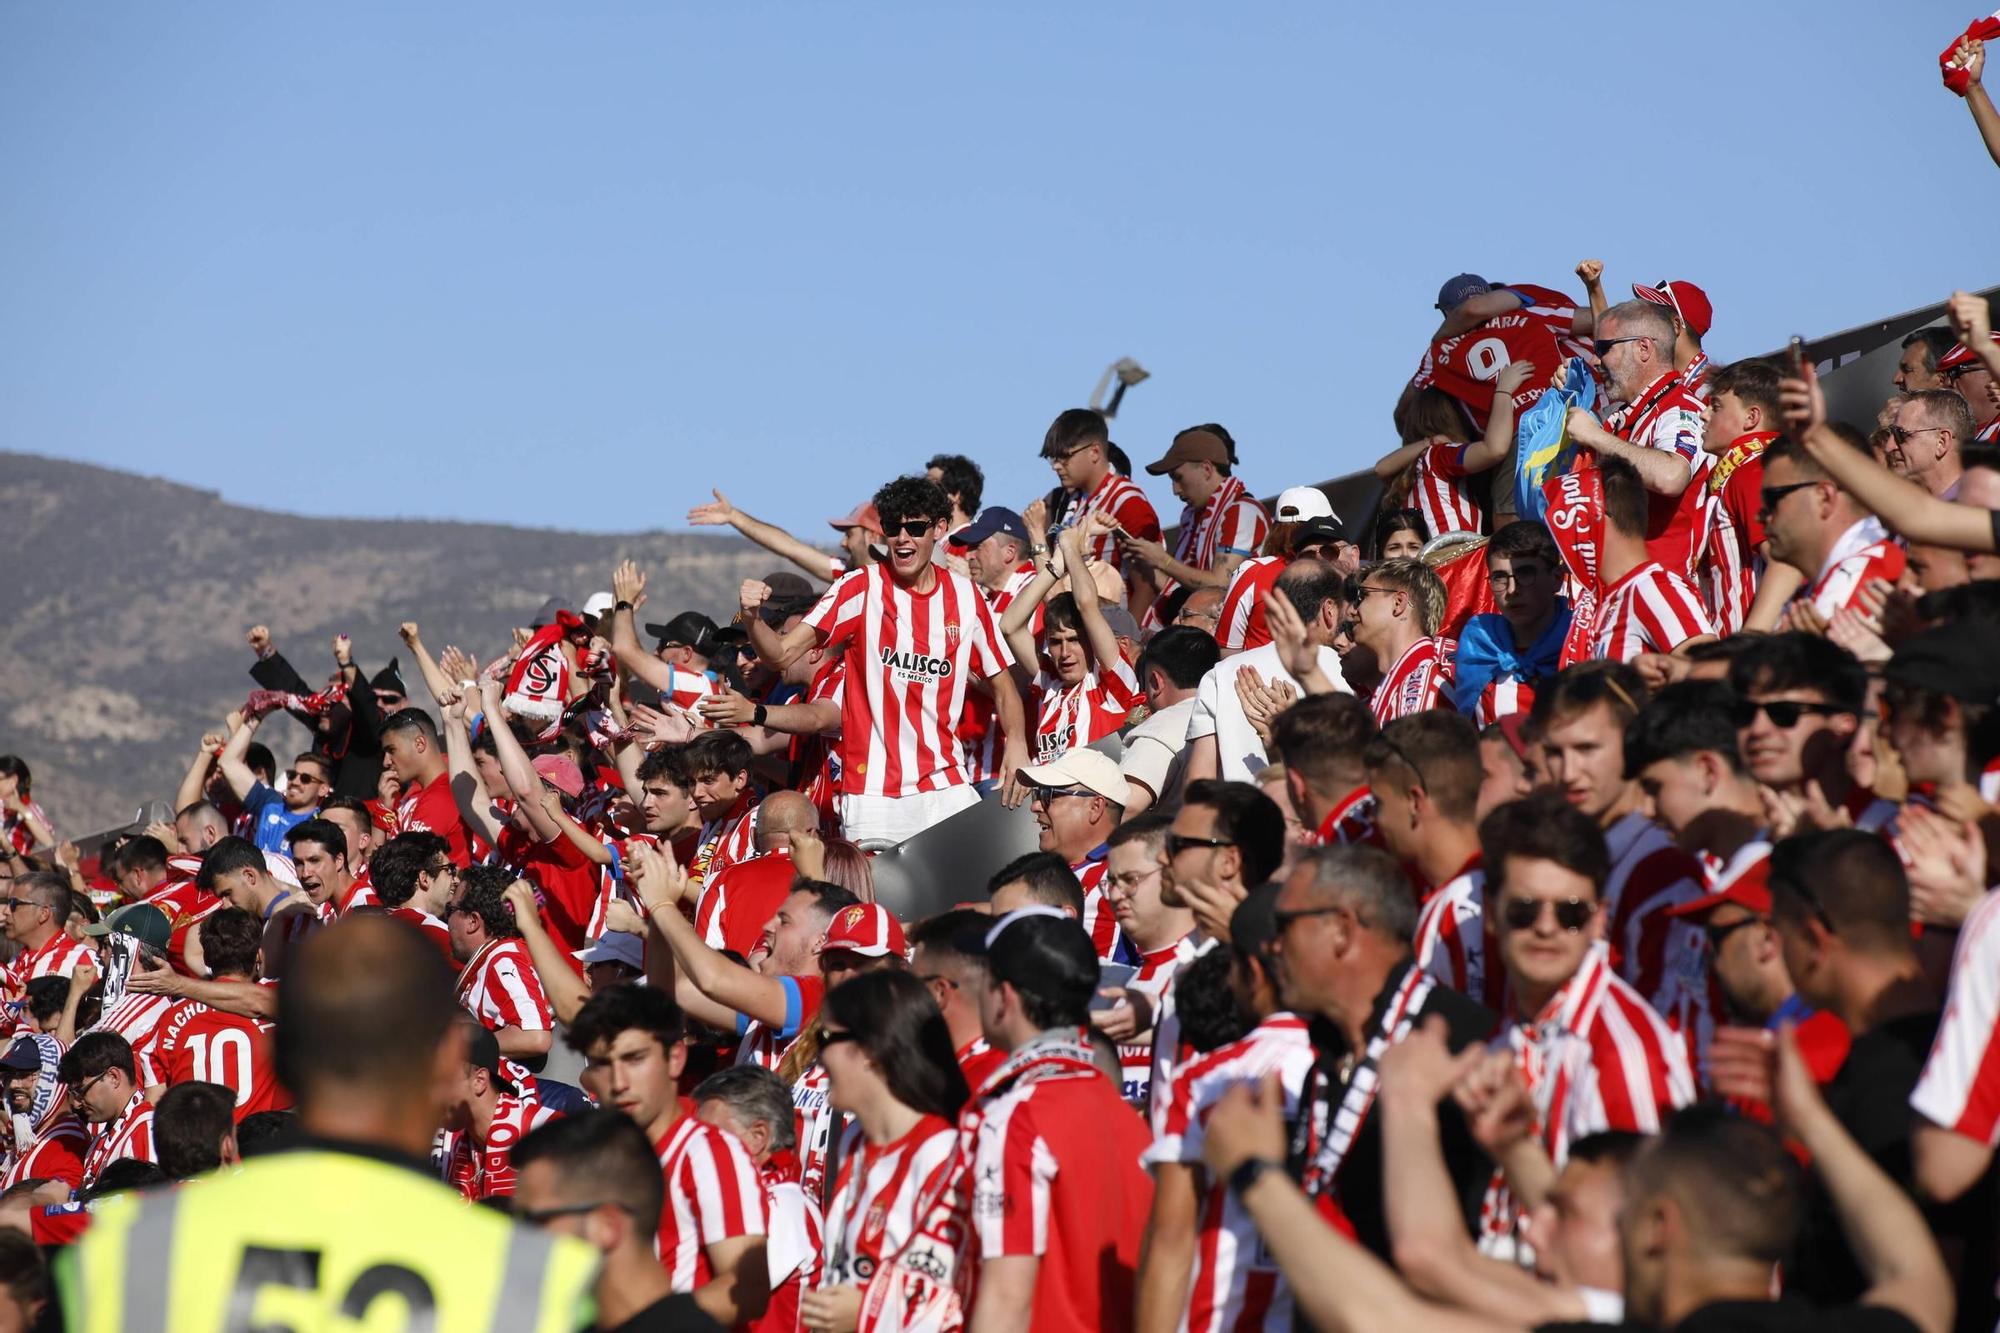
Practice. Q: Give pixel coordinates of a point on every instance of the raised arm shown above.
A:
(1476, 310)
(778, 650)
(468, 789)
(1487, 452)
(772, 538)
(1096, 630)
(565, 989)
(440, 686)
(525, 784)
(235, 771)
(1017, 620)
(1971, 56)
(711, 987)
(1390, 465)
(628, 585)
(1584, 322)
(195, 781)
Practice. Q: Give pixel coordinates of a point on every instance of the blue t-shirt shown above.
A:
(270, 820)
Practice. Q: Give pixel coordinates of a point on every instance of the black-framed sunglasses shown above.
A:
(1812, 901)
(830, 1037)
(541, 1217)
(1905, 436)
(1572, 914)
(1043, 795)
(1784, 713)
(1717, 934)
(1283, 920)
(1403, 757)
(1603, 345)
(914, 527)
(1771, 496)
(1361, 592)
(1178, 843)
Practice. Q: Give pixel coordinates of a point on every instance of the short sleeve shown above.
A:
(1013, 1172)
(837, 613)
(1135, 515)
(1201, 718)
(729, 1198)
(1146, 761)
(989, 653)
(1445, 460)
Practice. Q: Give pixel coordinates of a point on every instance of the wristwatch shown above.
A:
(757, 715)
(1248, 1172)
(621, 606)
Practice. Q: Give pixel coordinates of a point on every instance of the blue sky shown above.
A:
(572, 265)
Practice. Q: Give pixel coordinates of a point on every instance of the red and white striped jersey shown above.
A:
(1236, 1284)
(911, 659)
(1233, 522)
(57, 956)
(1415, 684)
(1441, 493)
(56, 1153)
(1240, 623)
(1960, 1087)
(812, 1124)
(1456, 943)
(979, 726)
(140, 1020)
(793, 1244)
(1556, 312)
(1099, 921)
(1096, 706)
(1135, 1059)
(1667, 417)
(1695, 375)
(1596, 1057)
(815, 760)
(436, 931)
(500, 987)
(881, 1194)
(1664, 958)
(737, 902)
(1351, 821)
(727, 841)
(130, 1135)
(15, 829)
(1123, 500)
(1650, 610)
(713, 1195)
(486, 1170)
(1729, 565)
(1170, 1051)
(1865, 552)
(1988, 433)
(198, 1043)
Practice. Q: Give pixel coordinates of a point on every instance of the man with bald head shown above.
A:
(367, 1043)
(739, 899)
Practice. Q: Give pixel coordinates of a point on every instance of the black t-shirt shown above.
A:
(1358, 1186)
(670, 1314)
(1790, 1315)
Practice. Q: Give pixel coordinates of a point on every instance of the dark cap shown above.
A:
(1456, 290)
(1253, 926)
(483, 1052)
(1123, 626)
(143, 921)
(1318, 532)
(790, 596)
(390, 678)
(1960, 660)
(692, 628)
(550, 609)
(992, 519)
(23, 1057)
(1043, 952)
(784, 583)
(1192, 446)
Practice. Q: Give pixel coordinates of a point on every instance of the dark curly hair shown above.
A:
(908, 498)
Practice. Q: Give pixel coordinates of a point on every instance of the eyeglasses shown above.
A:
(1176, 843)
(1501, 578)
(1772, 495)
(1572, 914)
(1284, 920)
(541, 1217)
(459, 905)
(1043, 795)
(1068, 454)
(82, 1090)
(440, 870)
(1905, 436)
(915, 527)
(1784, 713)
(1717, 934)
(1603, 345)
(1132, 879)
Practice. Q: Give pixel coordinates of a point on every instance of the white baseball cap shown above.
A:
(599, 603)
(1093, 770)
(1299, 503)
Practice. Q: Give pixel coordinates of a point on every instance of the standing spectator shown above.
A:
(497, 981)
(1203, 1262)
(1089, 687)
(737, 900)
(1645, 607)
(896, 1223)
(1825, 532)
(1504, 654)
(1743, 418)
(1932, 426)
(414, 879)
(1693, 316)
(1969, 368)
(1154, 931)
(1681, 749)
(104, 1084)
(345, 718)
(486, 1120)
(1078, 446)
(1223, 524)
(1917, 369)
(1076, 805)
(860, 537)
(999, 555)
(947, 955)
(1321, 740)
(412, 751)
(1468, 300)
(1305, 525)
(1059, 1199)
(917, 636)
(318, 849)
(1800, 704)
(754, 1104)
(1658, 429)
(35, 926)
(271, 815)
(1588, 1043)
(200, 1043)
(711, 1236)
(1222, 742)
(962, 483)
(1170, 671)
(594, 1175)
(48, 1141)
(24, 825)
(1344, 924)
(1402, 605)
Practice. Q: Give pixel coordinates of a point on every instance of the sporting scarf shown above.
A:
(313, 705)
(1981, 30)
(1742, 451)
(1575, 515)
(50, 1099)
(1486, 652)
(1326, 1132)
(538, 686)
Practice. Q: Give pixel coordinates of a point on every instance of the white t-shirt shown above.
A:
(1153, 745)
(1219, 713)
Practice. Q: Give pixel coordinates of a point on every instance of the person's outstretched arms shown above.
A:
(1971, 56)
(772, 538)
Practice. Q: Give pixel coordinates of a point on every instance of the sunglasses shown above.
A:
(831, 1038)
(1572, 914)
(916, 527)
(1771, 496)
(1905, 436)
(1043, 795)
(1784, 713)
(1717, 934)
(1176, 843)
(1283, 920)
(541, 1217)
(1603, 345)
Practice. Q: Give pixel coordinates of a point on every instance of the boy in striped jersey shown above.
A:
(917, 636)
(1078, 447)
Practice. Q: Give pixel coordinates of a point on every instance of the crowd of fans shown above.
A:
(1561, 901)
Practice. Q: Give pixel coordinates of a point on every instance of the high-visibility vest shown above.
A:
(320, 1238)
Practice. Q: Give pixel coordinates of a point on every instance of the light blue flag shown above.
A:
(1542, 447)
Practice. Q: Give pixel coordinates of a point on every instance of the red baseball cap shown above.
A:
(1960, 356)
(1749, 888)
(560, 771)
(863, 517)
(1684, 299)
(868, 929)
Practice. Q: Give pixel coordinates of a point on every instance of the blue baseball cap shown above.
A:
(992, 519)
(1456, 290)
